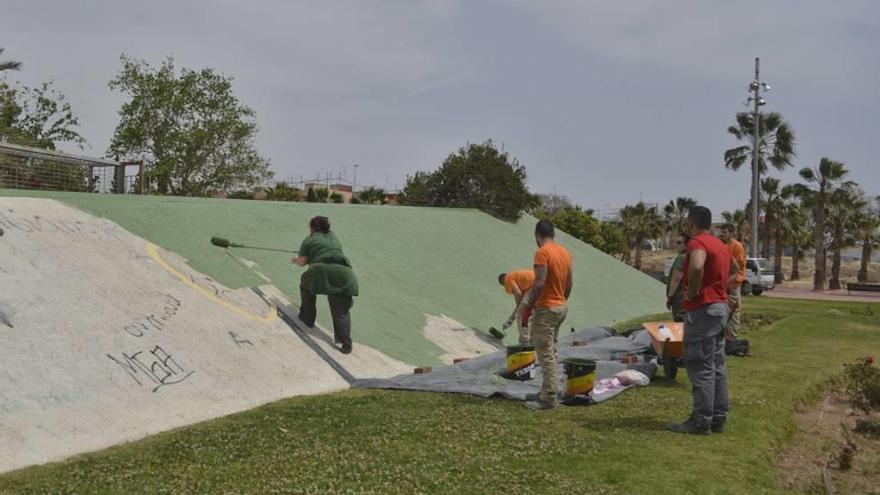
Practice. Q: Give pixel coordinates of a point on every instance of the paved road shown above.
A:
(828, 295)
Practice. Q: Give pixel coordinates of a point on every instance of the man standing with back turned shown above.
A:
(548, 297)
(709, 270)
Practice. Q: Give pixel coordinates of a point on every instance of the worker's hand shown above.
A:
(668, 303)
(507, 324)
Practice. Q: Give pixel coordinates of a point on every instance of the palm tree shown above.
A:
(640, 223)
(773, 205)
(8, 64)
(675, 213)
(867, 231)
(796, 230)
(822, 181)
(739, 220)
(843, 207)
(774, 142)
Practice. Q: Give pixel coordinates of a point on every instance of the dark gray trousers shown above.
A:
(704, 361)
(340, 310)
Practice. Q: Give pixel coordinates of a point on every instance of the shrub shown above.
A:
(863, 383)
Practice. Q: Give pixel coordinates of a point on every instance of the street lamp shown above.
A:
(755, 87)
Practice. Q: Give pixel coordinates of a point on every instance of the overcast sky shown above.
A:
(605, 102)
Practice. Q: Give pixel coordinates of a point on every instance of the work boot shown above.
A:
(718, 425)
(345, 349)
(542, 405)
(691, 427)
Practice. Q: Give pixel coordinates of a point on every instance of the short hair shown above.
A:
(728, 227)
(701, 217)
(320, 224)
(502, 278)
(545, 229)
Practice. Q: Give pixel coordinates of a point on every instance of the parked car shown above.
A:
(759, 276)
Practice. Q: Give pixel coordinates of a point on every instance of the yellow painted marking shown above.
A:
(153, 252)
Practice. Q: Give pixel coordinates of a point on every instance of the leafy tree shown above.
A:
(772, 204)
(337, 198)
(796, 227)
(614, 239)
(283, 192)
(8, 64)
(640, 223)
(476, 176)
(39, 116)
(551, 204)
(739, 220)
(867, 231)
(189, 126)
(317, 195)
(372, 195)
(822, 182)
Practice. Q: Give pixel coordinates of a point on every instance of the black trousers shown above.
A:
(340, 310)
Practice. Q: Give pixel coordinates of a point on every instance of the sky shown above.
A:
(604, 102)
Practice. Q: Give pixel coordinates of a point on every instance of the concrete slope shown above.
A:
(419, 268)
(105, 338)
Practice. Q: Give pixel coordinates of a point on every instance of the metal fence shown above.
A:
(24, 167)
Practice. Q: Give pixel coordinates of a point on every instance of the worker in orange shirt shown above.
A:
(518, 283)
(734, 292)
(549, 297)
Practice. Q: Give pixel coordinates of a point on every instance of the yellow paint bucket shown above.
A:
(579, 376)
(520, 362)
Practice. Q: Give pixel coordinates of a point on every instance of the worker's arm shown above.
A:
(300, 260)
(517, 312)
(734, 271)
(569, 285)
(696, 265)
(537, 288)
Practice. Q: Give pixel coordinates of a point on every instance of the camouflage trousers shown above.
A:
(544, 326)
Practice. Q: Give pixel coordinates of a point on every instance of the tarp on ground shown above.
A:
(481, 376)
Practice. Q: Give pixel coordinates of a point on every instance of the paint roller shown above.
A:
(226, 244)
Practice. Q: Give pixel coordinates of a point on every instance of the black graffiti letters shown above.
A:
(156, 368)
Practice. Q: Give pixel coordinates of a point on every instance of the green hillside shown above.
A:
(410, 261)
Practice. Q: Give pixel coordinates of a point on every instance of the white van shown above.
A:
(759, 276)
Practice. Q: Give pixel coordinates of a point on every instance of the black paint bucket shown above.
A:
(579, 376)
(520, 362)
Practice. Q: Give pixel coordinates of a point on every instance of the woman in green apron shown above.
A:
(329, 274)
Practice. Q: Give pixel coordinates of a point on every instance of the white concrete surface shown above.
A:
(105, 338)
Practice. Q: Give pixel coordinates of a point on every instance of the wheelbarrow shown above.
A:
(669, 345)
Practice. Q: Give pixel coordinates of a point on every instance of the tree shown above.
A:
(190, 128)
(773, 203)
(675, 214)
(797, 229)
(551, 204)
(335, 197)
(738, 219)
(476, 176)
(775, 145)
(640, 223)
(40, 116)
(8, 64)
(867, 231)
(372, 195)
(283, 192)
(822, 181)
(843, 206)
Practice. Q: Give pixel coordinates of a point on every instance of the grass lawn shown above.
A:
(406, 442)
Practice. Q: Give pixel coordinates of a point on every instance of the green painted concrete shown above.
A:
(409, 261)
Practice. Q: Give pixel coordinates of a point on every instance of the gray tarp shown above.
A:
(480, 376)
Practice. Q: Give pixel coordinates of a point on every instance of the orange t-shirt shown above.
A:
(739, 254)
(524, 279)
(557, 259)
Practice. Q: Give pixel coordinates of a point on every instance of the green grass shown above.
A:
(405, 442)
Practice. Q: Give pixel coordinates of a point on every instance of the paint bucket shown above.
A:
(520, 362)
(579, 376)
